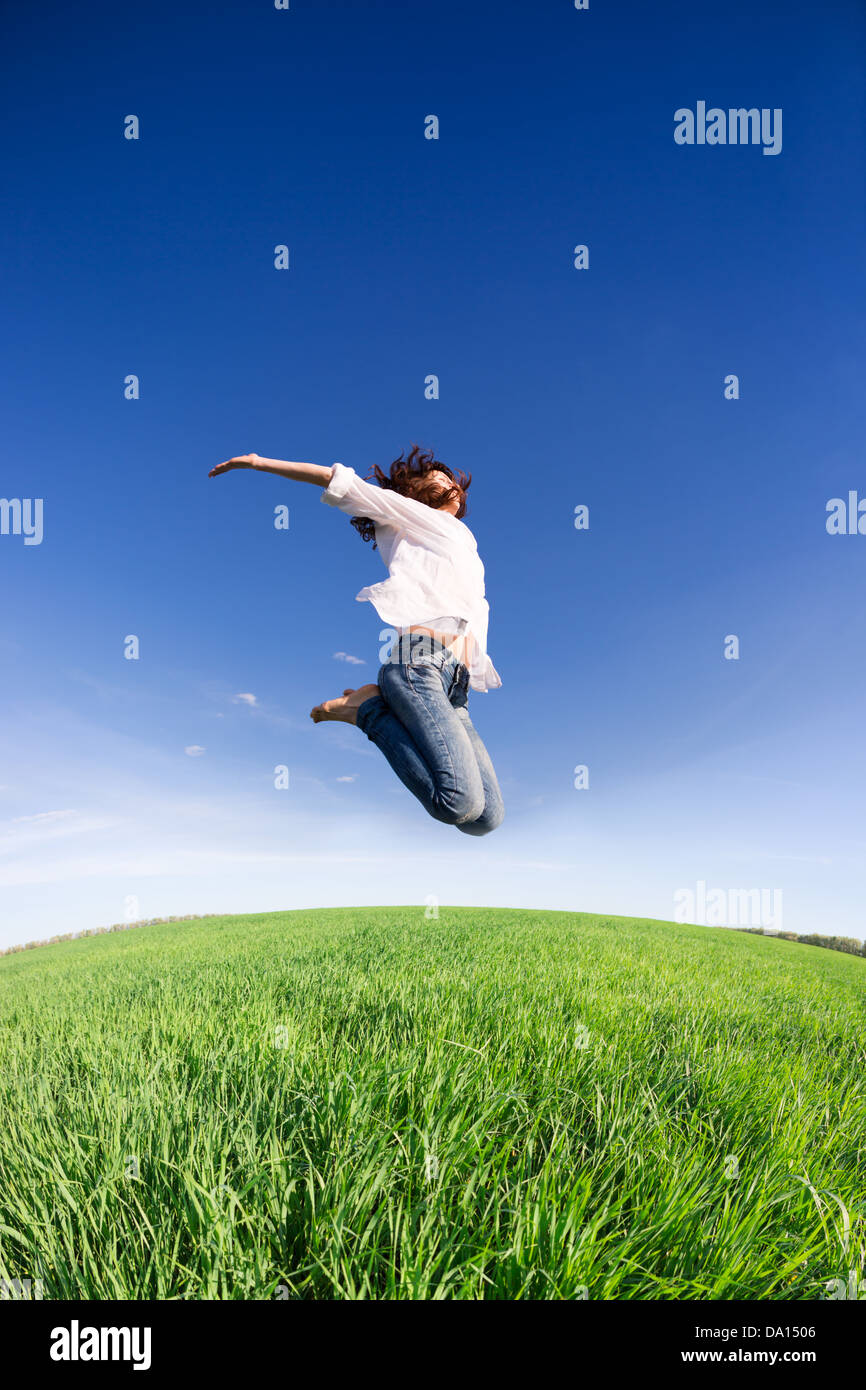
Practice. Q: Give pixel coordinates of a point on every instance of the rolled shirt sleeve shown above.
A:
(385, 507)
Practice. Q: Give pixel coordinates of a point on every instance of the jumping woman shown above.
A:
(433, 599)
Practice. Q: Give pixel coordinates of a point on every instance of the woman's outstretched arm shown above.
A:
(299, 472)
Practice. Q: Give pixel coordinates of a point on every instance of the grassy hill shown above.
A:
(363, 1102)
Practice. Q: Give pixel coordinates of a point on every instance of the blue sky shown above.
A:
(558, 387)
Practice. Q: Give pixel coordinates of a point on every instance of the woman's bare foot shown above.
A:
(344, 709)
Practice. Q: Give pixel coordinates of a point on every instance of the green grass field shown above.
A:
(362, 1103)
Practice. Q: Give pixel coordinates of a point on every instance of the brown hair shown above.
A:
(408, 476)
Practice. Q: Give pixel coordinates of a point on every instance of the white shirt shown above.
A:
(433, 566)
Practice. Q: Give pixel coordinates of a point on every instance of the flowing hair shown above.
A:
(409, 476)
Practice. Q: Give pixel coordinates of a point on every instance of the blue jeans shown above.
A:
(421, 723)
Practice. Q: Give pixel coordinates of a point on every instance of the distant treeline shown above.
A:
(849, 944)
(100, 931)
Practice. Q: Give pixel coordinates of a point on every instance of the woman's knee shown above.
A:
(459, 807)
(490, 819)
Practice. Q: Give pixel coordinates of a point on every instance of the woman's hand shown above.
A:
(298, 472)
(242, 461)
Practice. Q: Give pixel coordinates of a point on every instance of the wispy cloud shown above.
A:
(352, 660)
(347, 779)
(246, 699)
(26, 834)
(194, 750)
